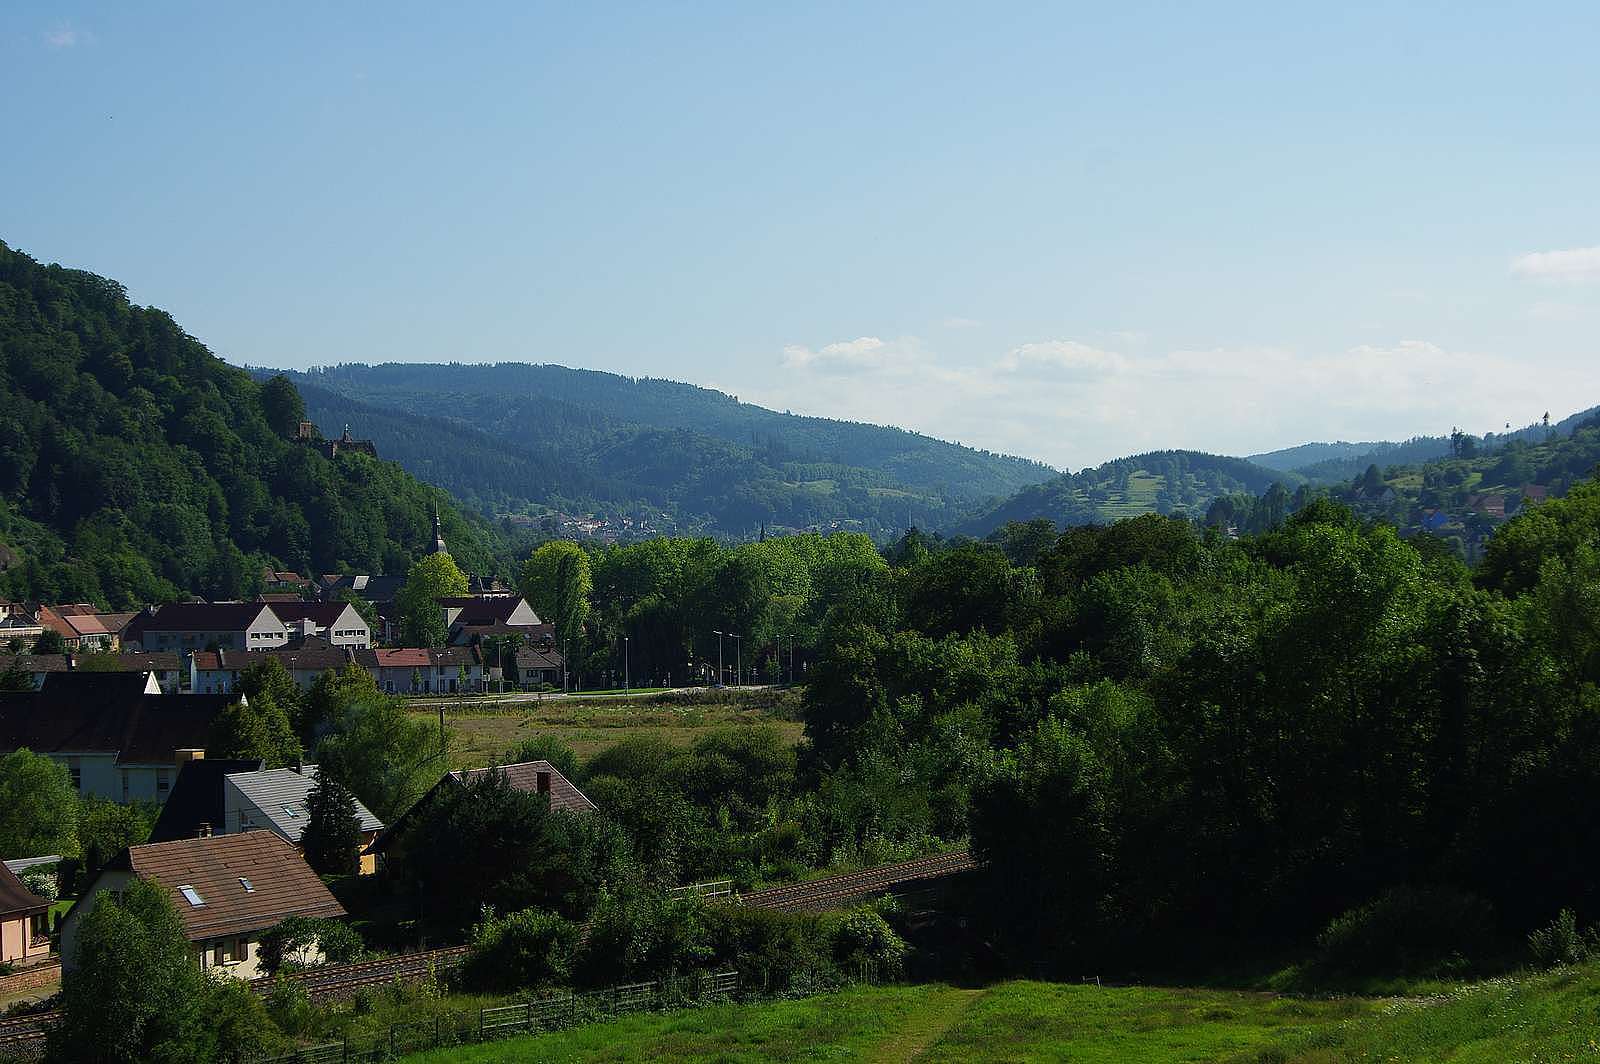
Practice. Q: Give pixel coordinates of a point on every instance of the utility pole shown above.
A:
(627, 682)
(719, 656)
(738, 669)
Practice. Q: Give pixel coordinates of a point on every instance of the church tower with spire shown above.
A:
(438, 534)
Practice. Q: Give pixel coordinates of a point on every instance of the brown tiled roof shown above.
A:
(453, 657)
(281, 882)
(403, 658)
(117, 622)
(564, 794)
(310, 654)
(16, 899)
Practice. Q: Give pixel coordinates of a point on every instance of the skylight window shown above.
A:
(191, 895)
(289, 812)
(245, 883)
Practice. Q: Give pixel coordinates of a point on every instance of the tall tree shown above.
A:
(38, 806)
(257, 729)
(557, 582)
(429, 580)
(282, 405)
(332, 836)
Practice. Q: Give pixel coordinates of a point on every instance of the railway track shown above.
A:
(335, 980)
(833, 892)
(23, 1036)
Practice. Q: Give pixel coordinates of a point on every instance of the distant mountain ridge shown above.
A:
(508, 437)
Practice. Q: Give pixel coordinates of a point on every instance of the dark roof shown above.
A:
(196, 798)
(214, 868)
(538, 658)
(87, 685)
(482, 609)
(149, 729)
(204, 617)
(34, 662)
(16, 899)
(371, 588)
(310, 654)
(323, 613)
(453, 656)
(128, 661)
(564, 794)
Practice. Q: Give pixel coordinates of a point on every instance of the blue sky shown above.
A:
(1065, 231)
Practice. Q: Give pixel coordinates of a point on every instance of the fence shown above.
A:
(540, 1014)
(719, 888)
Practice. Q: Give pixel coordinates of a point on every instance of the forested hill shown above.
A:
(135, 466)
(584, 441)
(1168, 482)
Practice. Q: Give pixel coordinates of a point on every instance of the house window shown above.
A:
(230, 951)
(75, 772)
(124, 785)
(39, 929)
(245, 883)
(191, 895)
(163, 782)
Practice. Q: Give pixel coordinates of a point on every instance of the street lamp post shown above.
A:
(738, 668)
(627, 682)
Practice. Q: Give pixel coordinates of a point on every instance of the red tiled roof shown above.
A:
(403, 658)
(564, 794)
(281, 883)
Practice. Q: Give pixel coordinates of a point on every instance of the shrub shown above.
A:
(1560, 942)
(640, 934)
(865, 939)
(522, 950)
(299, 939)
(775, 950)
(1405, 930)
(41, 882)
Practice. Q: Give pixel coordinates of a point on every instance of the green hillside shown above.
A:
(585, 441)
(1167, 482)
(136, 466)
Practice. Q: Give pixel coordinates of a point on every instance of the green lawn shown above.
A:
(482, 734)
(1554, 1017)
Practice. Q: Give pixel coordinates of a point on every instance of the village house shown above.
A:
(471, 618)
(79, 626)
(195, 807)
(336, 622)
(217, 671)
(275, 799)
(428, 670)
(229, 890)
(186, 626)
(536, 666)
(18, 629)
(24, 921)
(534, 777)
(117, 735)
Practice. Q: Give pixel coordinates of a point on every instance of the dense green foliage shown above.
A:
(331, 840)
(135, 466)
(38, 806)
(137, 994)
(578, 440)
(1244, 738)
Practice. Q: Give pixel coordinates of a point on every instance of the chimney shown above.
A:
(543, 782)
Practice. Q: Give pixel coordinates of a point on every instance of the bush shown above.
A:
(299, 939)
(523, 950)
(865, 939)
(1560, 942)
(774, 950)
(1406, 931)
(41, 882)
(640, 934)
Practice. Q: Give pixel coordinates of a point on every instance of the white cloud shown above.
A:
(1574, 264)
(853, 356)
(1074, 404)
(1064, 355)
(62, 36)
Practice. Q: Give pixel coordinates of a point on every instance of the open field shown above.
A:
(480, 733)
(1533, 1019)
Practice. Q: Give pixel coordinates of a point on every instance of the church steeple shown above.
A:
(438, 534)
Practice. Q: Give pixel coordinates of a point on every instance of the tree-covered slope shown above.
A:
(136, 466)
(583, 439)
(1159, 482)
